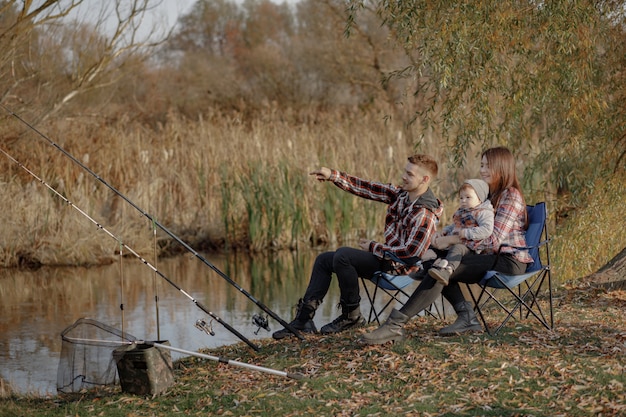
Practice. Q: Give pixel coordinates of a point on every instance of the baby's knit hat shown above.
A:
(481, 188)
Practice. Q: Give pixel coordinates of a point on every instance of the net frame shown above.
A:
(86, 359)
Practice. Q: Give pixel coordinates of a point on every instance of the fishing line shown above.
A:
(121, 282)
(160, 226)
(132, 251)
(155, 283)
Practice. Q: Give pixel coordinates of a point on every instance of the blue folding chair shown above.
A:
(394, 285)
(523, 290)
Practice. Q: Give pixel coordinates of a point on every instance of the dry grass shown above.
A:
(593, 235)
(218, 182)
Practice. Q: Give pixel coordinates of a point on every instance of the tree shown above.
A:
(246, 55)
(355, 69)
(48, 63)
(232, 55)
(545, 78)
(611, 276)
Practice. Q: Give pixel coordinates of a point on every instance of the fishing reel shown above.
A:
(260, 322)
(202, 325)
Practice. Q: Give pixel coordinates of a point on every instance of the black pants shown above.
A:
(470, 271)
(348, 264)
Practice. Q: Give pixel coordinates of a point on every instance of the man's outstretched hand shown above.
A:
(322, 174)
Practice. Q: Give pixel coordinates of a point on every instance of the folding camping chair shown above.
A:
(522, 290)
(394, 286)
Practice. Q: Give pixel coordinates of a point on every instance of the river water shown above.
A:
(37, 305)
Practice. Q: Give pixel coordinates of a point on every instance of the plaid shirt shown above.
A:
(509, 226)
(409, 225)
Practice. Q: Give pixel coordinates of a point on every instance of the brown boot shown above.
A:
(466, 321)
(390, 330)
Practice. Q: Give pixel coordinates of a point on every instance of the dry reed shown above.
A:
(216, 182)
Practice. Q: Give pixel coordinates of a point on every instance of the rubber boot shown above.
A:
(391, 330)
(303, 321)
(466, 321)
(350, 318)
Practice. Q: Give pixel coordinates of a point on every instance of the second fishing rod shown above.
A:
(159, 225)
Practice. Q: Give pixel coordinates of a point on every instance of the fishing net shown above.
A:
(87, 355)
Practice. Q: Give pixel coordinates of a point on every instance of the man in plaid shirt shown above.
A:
(412, 215)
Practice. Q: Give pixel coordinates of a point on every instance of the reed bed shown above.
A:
(219, 184)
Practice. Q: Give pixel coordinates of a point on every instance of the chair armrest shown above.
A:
(540, 244)
(404, 261)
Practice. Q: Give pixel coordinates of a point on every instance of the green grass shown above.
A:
(577, 369)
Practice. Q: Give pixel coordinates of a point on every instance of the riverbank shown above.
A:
(575, 370)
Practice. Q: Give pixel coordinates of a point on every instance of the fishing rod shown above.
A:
(292, 375)
(132, 251)
(159, 225)
(220, 359)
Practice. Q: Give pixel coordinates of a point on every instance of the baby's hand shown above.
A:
(436, 241)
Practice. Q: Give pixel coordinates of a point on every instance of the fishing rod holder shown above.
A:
(202, 325)
(260, 322)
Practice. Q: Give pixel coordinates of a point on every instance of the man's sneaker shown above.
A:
(347, 321)
(302, 326)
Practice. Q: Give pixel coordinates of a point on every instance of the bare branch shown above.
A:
(83, 49)
(27, 20)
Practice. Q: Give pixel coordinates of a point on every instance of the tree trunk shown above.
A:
(611, 276)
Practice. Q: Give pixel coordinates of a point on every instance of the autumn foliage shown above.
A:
(212, 126)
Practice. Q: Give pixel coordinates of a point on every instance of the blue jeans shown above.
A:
(348, 264)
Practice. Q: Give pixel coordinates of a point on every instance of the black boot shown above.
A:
(303, 321)
(350, 318)
(466, 321)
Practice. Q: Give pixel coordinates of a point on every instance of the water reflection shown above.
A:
(36, 306)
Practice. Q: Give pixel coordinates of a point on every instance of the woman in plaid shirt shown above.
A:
(412, 214)
(497, 168)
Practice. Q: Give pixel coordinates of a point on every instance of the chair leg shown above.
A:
(396, 294)
(371, 298)
(521, 302)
